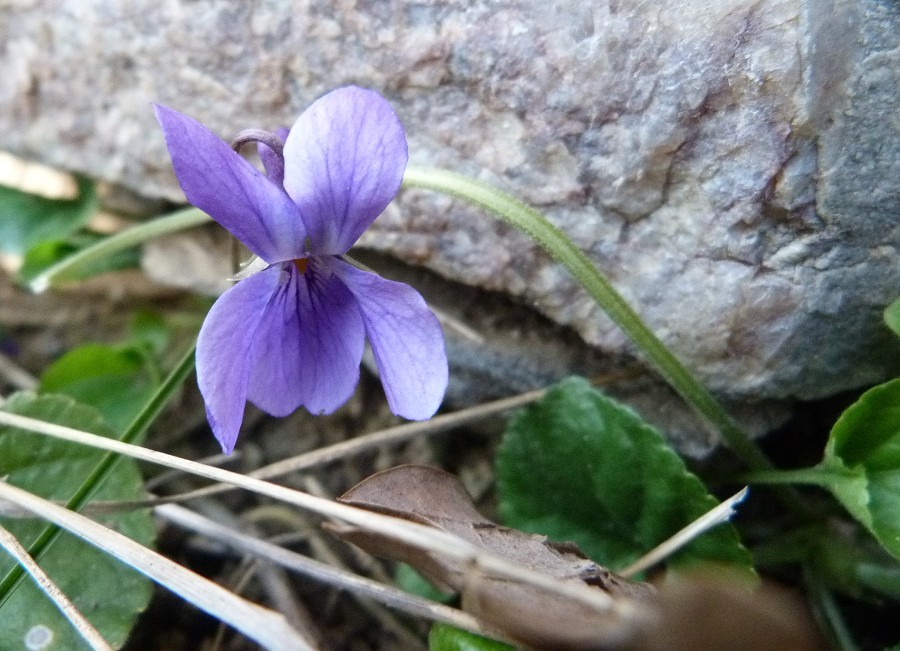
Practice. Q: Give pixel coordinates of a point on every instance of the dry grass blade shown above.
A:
(260, 624)
(425, 538)
(57, 596)
(342, 450)
(357, 445)
(15, 375)
(354, 584)
(367, 442)
(712, 518)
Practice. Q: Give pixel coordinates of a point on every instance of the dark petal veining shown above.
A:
(344, 161)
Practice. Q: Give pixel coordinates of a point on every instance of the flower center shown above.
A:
(301, 264)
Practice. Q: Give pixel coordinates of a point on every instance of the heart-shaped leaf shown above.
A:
(579, 466)
(113, 379)
(862, 462)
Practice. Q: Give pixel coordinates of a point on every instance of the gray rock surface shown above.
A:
(733, 166)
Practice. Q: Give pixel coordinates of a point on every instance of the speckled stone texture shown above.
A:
(733, 166)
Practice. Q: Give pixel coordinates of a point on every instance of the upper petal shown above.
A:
(344, 161)
(225, 348)
(309, 344)
(407, 341)
(219, 182)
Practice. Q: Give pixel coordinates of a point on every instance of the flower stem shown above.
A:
(814, 476)
(830, 616)
(135, 431)
(126, 239)
(561, 248)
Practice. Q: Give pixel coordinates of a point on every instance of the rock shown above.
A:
(734, 167)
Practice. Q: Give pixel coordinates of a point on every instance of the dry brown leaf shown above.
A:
(708, 613)
(528, 613)
(702, 614)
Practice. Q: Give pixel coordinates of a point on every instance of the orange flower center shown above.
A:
(301, 264)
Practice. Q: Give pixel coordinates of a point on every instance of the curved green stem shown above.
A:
(119, 242)
(561, 248)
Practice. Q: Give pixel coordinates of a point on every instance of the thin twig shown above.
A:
(219, 459)
(358, 445)
(388, 436)
(85, 629)
(712, 518)
(331, 453)
(356, 585)
(623, 611)
(17, 376)
(322, 549)
(272, 579)
(260, 624)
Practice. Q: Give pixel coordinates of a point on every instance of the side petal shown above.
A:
(225, 349)
(219, 182)
(406, 339)
(308, 346)
(343, 163)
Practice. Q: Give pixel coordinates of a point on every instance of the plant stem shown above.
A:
(828, 611)
(126, 239)
(154, 406)
(561, 248)
(813, 476)
(104, 468)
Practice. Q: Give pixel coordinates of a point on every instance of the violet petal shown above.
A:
(309, 345)
(406, 339)
(344, 161)
(225, 352)
(219, 182)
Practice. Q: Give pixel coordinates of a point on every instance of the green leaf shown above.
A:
(44, 255)
(87, 259)
(448, 638)
(150, 330)
(845, 558)
(409, 580)
(27, 220)
(108, 593)
(579, 466)
(892, 316)
(881, 578)
(862, 462)
(113, 379)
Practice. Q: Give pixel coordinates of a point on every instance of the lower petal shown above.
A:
(308, 345)
(407, 341)
(224, 349)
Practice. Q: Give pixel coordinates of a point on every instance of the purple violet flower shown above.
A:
(293, 334)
